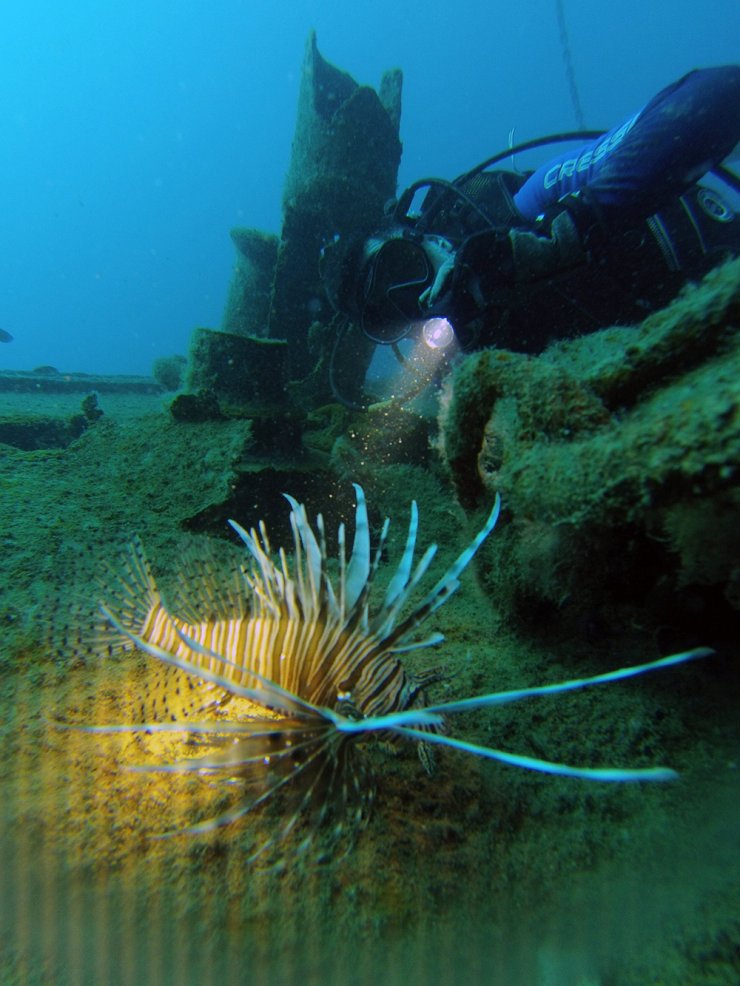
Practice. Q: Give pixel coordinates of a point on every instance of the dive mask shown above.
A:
(396, 274)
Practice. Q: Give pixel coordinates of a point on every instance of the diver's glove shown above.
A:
(505, 258)
(536, 257)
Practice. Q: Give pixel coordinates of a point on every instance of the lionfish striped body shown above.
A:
(280, 676)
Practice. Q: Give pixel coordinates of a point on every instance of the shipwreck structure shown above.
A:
(616, 455)
(343, 168)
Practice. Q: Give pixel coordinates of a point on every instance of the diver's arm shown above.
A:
(652, 157)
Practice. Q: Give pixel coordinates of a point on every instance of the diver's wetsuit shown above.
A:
(650, 158)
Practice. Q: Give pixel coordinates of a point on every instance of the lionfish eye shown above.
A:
(346, 707)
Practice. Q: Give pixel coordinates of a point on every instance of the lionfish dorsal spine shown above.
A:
(449, 581)
(400, 580)
(394, 634)
(308, 571)
(359, 562)
(385, 620)
(250, 540)
(342, 550)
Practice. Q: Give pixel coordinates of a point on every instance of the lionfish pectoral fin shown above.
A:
(427, 677)
(243, 752)
(322, 763)
(613, 774)
(515, 695)
(402, 723)
(249, 803)
(426, 757)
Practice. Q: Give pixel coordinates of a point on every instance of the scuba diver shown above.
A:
(599, 235)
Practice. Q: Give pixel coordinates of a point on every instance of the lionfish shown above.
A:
(314, 668)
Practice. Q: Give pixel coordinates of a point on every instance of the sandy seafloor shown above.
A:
(479, 874)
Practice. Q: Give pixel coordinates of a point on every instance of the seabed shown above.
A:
(478, 874)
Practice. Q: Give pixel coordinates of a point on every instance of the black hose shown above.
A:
(530, 145)
(342, 329)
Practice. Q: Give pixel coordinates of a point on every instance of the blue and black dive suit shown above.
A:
(599, 235)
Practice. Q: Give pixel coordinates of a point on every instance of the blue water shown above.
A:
(135, 134)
